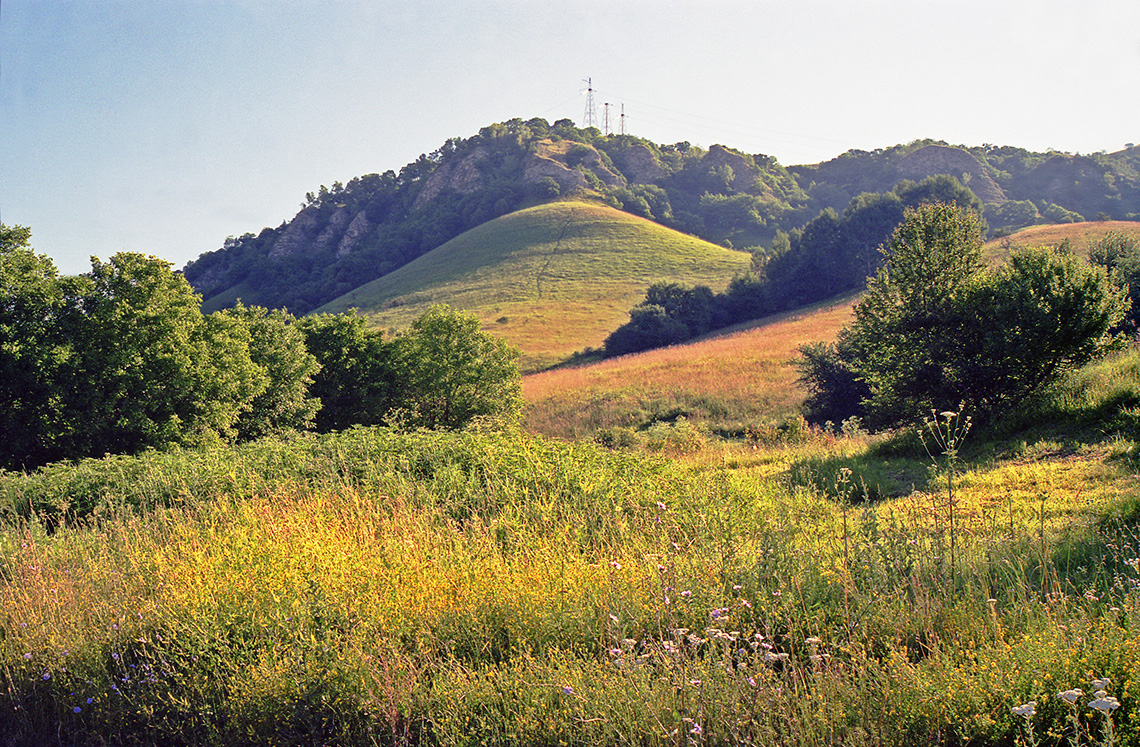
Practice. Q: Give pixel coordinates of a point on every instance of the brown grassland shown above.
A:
(732, 380)
(1080, 235)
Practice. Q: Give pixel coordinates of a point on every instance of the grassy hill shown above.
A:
(1080, 235)
(738, 381)
(552, 279)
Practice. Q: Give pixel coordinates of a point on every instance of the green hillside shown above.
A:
(551, 279)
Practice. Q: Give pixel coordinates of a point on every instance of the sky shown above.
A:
(164, 126)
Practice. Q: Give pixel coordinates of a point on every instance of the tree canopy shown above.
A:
(121, 359)
(936, 329)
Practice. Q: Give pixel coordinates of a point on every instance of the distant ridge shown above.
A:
(552, 279)
(347, 235)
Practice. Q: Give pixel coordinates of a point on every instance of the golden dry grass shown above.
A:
(1081, 235)
(736, 377)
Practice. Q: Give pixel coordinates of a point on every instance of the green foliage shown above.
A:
(121, 359)
(934, 328)
(670, 313)
(32, 350)
(148, 369)
(452, 588)
(451, 372)
(835, 391)
(1121, 254)
(277, 346)
(1012, 215)
(357, 381)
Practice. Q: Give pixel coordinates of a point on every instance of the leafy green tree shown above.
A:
(1120, 253)
(148, 369)
(934, 329)
(899, 336)
(452, 372)
(357, 380)
(1044, 312)
(276, 346)
(32, 349)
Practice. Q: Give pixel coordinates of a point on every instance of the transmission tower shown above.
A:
(606, 118)
(591, 118)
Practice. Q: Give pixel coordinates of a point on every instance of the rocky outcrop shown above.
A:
(639, 164)
(464, 176)
(744, 171)
(333, 229)
(538, 167)
(298, 234)
(960, 164)
(357, 230)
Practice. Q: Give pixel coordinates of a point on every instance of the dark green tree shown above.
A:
(357, 381)
(1120, 253)
(1044, 312)
(32, 350)
(148, 369)
(935, 329)
(452, 372)
(276, 346)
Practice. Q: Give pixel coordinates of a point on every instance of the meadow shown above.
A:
(490, 588)
(739, 382)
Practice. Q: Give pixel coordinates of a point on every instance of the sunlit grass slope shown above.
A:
(1080, 235)
(552, 279)
(733, 381)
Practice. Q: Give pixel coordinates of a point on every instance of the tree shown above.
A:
(1120, 253)
(277, 347)
(31, 351)
(935, 329)
(1044, 312)
(148, 369)
(452, 372)
(356, 382)
(649, 326)
(899, 339)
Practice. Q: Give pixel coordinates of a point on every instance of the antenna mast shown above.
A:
(606, 118)
(622, 120)
(591, 118)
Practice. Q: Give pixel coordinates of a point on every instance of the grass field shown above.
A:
(509, 589)
(736, 380)
(552, 279)
(1080, 235)
(458, 589)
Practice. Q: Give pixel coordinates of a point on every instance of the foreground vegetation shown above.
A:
(476, 588)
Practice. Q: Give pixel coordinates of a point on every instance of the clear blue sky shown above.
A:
(165, 126)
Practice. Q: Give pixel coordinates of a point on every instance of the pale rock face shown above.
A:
(297, 236)
(639, 165)
(942, 159)
(333, 228)
(463, 176)
(357, 229)
(539, 167)
(744, 172)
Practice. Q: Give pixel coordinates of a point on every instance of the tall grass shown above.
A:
(455, 589)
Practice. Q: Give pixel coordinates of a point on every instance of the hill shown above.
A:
(551, 279)
(1081, 236)
(739, 381)
(350, 234)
